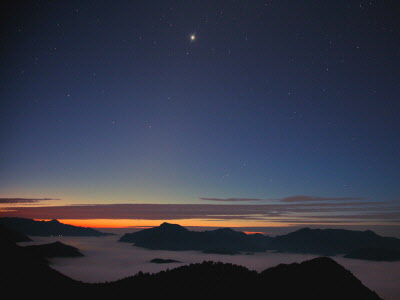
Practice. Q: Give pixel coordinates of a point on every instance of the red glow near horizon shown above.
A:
(143, 224)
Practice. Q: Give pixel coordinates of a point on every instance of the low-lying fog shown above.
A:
(106, 259)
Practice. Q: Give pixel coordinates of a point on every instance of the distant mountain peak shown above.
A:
(48, 228)
(226, 240)
(57, 243)
(170, 226)
(175, 237)
(166, 224)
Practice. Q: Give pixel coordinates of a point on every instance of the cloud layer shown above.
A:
(231, 199)
(23, 200)
(107, 260)
(298, 198)
(302, 198)
(349, 211)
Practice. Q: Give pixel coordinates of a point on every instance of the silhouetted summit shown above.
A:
(227, 241)
(175, 237)
(172, 228)
(320, 278)
(48, 228)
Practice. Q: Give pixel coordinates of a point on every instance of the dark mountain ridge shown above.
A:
(42, 252)
(320, 278)
(314, 241)
(13, 235)
(174, 237)
(26, 271)
(56, 249)
(374, 253)
(330, 241)
(48, 228)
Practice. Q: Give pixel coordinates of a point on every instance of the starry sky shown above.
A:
(222, 111)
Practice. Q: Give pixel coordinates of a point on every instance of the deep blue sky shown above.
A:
(111, 102)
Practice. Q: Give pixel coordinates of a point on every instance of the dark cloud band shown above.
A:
(281, 212)
(298, 198)
(23, 200)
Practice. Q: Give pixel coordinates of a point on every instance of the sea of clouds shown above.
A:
(106, 259)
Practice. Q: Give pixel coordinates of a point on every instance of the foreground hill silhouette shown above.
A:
(57, 249)
(320, 278)
(27, 271)
(314, 241)
(48, 228)
(13, 235)
(27, 274)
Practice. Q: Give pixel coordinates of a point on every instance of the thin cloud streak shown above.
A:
(231, 199)
(297, 198)
(23, 200)
(264, 212)
(302, 198)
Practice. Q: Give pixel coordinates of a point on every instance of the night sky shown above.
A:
(257, 111)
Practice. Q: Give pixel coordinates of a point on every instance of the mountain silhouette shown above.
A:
(9, 238)
(227, 241)
(48, 228)
(320, 278)
(13, 235)
(175, 237)
(27, 274)
(56, 249)
(374, 253)
(330, 241)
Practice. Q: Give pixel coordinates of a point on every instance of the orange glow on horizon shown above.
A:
(133, 223)
(143, 224)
